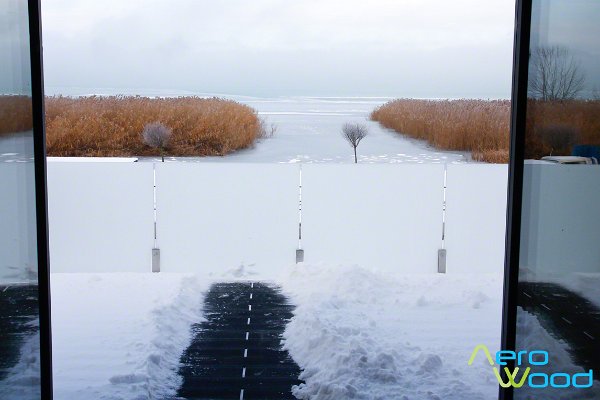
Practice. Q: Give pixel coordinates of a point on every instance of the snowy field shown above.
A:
(356, 332)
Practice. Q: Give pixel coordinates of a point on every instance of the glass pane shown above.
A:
(19, 323)
(559, 275)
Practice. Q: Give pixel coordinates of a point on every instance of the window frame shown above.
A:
(39, 150)
(515, 179)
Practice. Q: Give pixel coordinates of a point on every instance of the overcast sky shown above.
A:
(402, 48)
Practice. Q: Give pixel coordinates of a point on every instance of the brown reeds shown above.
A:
(465, 125)
(15, 114)
(482, 127)
(553, 128)
(113, 126)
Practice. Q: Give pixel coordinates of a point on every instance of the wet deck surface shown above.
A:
(236, 353)
(18, 320)
(567, 316)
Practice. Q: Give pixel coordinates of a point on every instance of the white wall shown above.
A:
(561, 219)
(100, 216)
(215, 217)
(382, 216)
(476, 217)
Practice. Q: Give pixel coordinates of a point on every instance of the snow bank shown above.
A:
(120, 336)
(361, 334)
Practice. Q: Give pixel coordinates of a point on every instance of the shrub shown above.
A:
(157, 135)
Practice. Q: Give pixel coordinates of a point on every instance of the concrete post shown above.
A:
(299, 256)
(155, 260)
(442, 261)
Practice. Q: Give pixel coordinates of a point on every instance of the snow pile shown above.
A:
(362, 334)
(120, 335)
(240, 272)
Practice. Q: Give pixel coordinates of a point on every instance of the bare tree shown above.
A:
(554, 74)
(354, 134)
(157, 135)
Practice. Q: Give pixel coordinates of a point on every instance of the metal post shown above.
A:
(155, 249)
(442, 251)
(299, 250)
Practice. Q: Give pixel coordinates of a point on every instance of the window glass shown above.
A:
(19, 322)
(559, 275)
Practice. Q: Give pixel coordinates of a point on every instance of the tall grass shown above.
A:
(482, 127)
(15, 114)
(113, 126)
(554, 127)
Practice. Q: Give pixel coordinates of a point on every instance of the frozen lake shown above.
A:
(309, 130)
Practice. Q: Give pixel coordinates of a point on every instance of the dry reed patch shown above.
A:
(553, 128)
(481, 127)
(15, 114)
(112, 126)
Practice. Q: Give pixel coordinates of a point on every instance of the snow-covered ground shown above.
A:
(356, 332)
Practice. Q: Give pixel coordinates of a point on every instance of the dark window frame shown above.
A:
(515, 178)
(39, 149)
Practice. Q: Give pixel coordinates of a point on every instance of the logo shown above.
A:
(535, 380)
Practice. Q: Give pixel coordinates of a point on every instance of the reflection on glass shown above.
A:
(19, 344)
(559, 276)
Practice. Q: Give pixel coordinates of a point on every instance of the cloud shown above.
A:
(277, 47)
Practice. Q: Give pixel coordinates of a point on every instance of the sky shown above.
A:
(396, 48)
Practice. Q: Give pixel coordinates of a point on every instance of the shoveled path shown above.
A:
(236, 353)
(18, 320)
(567, 315)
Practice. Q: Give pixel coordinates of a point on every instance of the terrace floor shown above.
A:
(236, 352)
